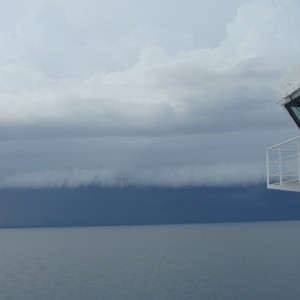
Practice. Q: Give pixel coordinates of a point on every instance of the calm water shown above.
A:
(210, 261)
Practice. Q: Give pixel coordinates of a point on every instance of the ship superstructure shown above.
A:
(283, 160)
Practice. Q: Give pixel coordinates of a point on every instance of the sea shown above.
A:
(230, 261)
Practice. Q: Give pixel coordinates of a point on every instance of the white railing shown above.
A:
(283, 165)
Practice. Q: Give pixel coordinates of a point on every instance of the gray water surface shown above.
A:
(206, 261)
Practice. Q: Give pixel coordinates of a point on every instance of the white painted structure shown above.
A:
(283, 166)
(283, 160)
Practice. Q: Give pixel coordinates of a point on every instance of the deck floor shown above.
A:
(293, 186)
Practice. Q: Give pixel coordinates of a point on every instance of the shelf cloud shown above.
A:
(110, 98)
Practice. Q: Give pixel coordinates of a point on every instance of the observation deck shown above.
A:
(283, 166)
(283, 160)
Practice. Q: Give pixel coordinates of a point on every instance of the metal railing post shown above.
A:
(268, 169)
(298, 158)
(280, 164)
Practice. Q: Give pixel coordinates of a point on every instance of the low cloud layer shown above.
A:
(87, 101)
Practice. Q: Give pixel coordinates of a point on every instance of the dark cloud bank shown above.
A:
(155, 101)
(95, 206)
(149, 107)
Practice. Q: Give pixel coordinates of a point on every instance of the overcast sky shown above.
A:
(171, 93)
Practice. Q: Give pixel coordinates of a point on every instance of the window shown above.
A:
(293, 107)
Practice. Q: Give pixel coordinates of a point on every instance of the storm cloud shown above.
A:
(124, 94)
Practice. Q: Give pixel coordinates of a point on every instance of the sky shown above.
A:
(142, 93)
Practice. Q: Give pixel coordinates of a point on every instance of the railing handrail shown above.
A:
(278, 145)
(283, 164)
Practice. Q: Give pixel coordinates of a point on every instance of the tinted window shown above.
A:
(293, 107)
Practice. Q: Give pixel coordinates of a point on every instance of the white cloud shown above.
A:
(181, 176)
(141, 83)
